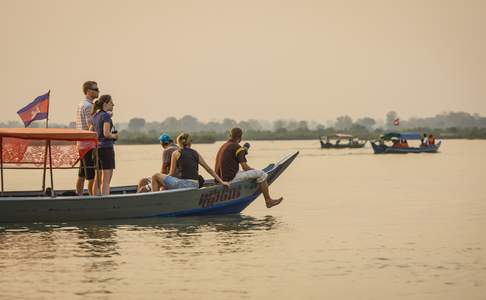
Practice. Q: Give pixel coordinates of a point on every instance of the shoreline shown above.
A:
(276, 140)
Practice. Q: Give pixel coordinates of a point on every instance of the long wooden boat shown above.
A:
(124, 202)
(379, 146)
(383, 149)
(336, 142)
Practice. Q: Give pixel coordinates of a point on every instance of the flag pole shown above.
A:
(48, 103)
(48, 146)
(50, 169)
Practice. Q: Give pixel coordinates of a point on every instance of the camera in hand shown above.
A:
(246, 146)
(114, 132)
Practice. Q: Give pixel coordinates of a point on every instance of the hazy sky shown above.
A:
(260, 59)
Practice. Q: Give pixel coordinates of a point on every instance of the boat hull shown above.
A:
(125, 204)
(380, 149)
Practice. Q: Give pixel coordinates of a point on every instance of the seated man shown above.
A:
(145, 184)
(230, 156)
(169, 147)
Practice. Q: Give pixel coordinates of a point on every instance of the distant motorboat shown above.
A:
(379, 146)
(341, 141)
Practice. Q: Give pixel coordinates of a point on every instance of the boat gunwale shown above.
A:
(272, 167)
(378, 149)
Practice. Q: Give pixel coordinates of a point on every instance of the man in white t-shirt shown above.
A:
(424, 142)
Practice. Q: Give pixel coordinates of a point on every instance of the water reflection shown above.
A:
(97, 241)
(99, 247)
(96, 257)
(203, 236)
(101, 238)
(190, 225)
(235, 222)
(21, 243)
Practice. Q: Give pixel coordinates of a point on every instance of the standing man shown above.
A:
(230, 156)
(84, 120)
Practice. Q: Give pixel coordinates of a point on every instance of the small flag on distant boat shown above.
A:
(36, 110)
(396, 122)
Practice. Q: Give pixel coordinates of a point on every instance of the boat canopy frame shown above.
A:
(341, 136)
(47, 135)
(401, 136)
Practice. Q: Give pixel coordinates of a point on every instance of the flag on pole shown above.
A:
(36, 110)
(396, 122)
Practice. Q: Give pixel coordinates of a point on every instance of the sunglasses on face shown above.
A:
(96, 89)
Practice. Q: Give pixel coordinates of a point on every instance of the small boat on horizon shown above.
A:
(336, 141)
(399, 147)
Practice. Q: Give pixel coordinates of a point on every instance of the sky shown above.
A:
(266, 60)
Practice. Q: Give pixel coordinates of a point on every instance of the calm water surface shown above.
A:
(353, 225)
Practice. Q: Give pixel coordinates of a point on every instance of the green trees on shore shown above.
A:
(453, 125)
(151, 137)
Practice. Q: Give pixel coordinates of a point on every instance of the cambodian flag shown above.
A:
(37, 110)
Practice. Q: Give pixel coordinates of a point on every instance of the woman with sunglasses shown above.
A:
(103, 125)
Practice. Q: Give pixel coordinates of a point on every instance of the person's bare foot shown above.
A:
(273, 202)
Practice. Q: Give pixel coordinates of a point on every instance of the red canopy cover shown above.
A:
(22, 146)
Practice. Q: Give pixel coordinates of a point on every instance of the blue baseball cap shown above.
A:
(165, 138)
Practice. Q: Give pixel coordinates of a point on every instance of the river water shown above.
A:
(353, 225)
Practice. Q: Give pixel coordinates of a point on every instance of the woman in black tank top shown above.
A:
(187, 161)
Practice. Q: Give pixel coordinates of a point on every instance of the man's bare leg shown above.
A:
(266, 194)
(105, 181)
(97, 183)
(80, 186)
(91, 190)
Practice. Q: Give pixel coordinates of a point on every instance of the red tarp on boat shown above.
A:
(27, 146)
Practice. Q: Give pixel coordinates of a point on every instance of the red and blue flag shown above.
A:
(36, 110)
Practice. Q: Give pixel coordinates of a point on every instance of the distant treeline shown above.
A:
(456, 125)
(189, 123)
(151, 137)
